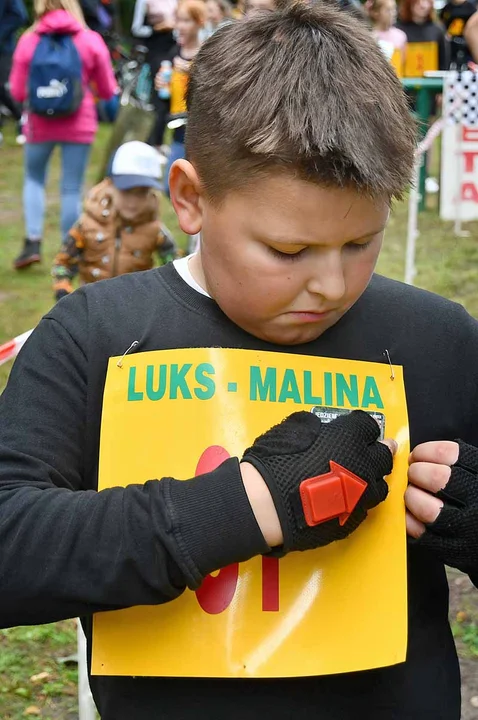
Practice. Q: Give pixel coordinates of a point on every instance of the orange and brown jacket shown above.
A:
(102, 245)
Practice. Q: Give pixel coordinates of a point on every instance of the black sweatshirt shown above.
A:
(68, 553)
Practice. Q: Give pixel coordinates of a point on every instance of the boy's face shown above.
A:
(286, 259)
(131, 203)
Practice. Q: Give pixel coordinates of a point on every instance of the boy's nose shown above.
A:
(328, 280)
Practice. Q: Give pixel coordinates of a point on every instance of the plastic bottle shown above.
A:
(165, 74)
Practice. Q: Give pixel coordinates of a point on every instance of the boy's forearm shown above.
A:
(140, 545)
(71, 553)
(262, 505)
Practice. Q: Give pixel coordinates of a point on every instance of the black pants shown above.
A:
(5, 97)
(159, 45)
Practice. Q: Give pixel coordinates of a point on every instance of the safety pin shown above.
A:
(387, 355)
(120, 361)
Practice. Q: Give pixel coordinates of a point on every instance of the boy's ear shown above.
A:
(186, 197)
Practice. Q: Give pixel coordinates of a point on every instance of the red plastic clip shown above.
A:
(333, 494)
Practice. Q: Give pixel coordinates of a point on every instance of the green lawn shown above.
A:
(35, 680)
(446, 265)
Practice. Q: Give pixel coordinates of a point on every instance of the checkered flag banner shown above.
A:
(460, 98)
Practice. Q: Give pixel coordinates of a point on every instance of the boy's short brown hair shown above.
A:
(306, 90)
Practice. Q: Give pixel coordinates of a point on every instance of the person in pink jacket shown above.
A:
(74, 133)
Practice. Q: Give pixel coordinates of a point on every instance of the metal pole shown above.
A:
(412, 229)
(86, 704)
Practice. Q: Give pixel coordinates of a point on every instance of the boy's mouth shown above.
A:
(307, 316)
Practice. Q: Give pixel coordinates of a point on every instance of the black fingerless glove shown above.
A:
(315, 513)
(453, 537)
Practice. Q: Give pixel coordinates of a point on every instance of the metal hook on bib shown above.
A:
(131, 347)
(387, 355)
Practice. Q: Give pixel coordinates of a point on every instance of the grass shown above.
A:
(464, 619)
(34, 681)
(467, 632)
(445, 264)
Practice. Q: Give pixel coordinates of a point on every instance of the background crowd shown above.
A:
(416, 35)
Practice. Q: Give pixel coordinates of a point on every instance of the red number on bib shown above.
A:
(216, 592)
(270, 584)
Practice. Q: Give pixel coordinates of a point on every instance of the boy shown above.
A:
(295, 149)
(119, 229)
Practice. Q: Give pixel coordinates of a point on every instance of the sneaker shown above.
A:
(29, 255)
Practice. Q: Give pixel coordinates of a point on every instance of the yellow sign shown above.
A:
(420, 58)
(395, 55)
(333, 610)
(397, 62)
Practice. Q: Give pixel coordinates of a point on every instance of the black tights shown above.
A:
(160, 45)
(5, 97)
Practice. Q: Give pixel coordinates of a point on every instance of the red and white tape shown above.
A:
(433, 132)
(10, 349)
(437, 128)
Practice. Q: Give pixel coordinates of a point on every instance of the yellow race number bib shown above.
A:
(333, 610)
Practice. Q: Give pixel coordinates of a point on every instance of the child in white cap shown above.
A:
(119, 229)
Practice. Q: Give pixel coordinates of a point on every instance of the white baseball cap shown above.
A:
(136, 164)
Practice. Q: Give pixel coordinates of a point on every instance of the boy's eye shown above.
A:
(357, 247)
(294, 255)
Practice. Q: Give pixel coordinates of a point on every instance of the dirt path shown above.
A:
(464, 608)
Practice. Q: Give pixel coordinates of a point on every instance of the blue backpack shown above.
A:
(55, 84)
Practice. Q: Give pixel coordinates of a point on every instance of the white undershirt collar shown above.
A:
(181, 265)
